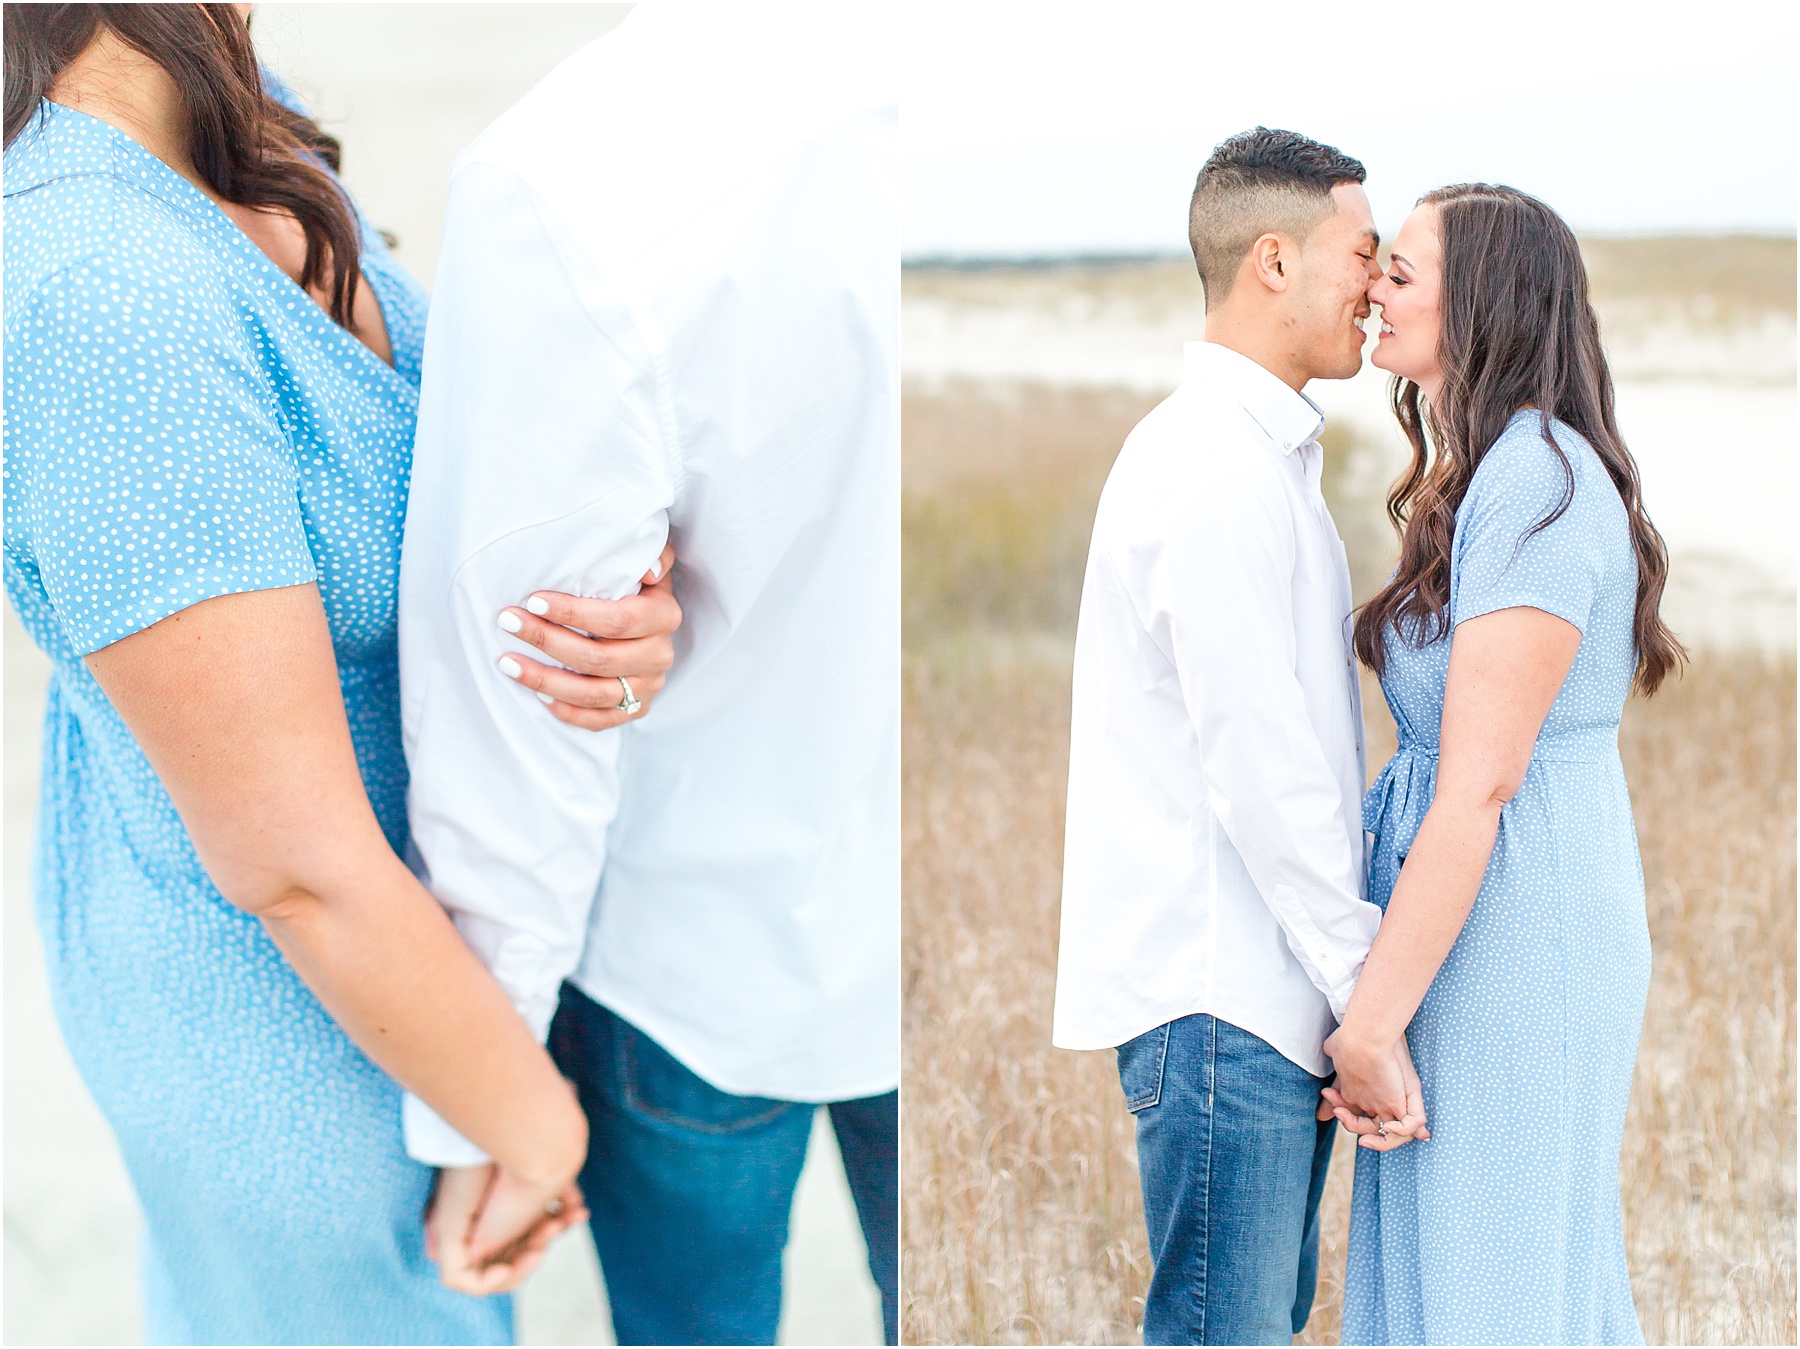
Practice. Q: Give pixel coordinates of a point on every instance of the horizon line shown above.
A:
(1100, 257)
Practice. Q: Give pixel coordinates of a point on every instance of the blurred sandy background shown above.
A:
(405, 87)
(1022, 1217)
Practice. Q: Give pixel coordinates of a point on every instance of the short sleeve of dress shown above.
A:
(147, 467)
(1502, 559)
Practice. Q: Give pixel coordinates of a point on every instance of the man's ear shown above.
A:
(1266, 262)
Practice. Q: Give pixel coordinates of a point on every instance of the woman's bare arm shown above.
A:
(1506, 669)
(237, 705)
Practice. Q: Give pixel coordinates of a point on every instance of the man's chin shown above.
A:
(1348, 368)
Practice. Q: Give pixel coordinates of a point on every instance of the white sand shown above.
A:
(1709, 413)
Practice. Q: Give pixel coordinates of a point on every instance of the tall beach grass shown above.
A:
(1022, 1218)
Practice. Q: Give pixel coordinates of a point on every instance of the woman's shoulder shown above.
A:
(76, 204)
(1525, 489)
(1522, 462)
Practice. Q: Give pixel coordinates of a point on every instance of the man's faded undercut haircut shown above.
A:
(1260, 182)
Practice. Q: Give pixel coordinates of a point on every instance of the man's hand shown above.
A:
(594, 642)
(1377, 1094)
(487, 1230)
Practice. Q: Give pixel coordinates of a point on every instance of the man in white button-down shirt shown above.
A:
(1214, 918)
(667, 307)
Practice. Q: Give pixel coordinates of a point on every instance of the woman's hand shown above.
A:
(596, 642)
(473, 1209)
(1377, 1093)
(488, 1226)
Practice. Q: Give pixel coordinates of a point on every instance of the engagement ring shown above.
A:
(629, 704)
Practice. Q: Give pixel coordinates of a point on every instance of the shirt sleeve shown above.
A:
(1502, 559)
(539, 464)
(1219, 588)
(147, 466)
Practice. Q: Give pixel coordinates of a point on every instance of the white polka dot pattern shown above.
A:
(183, 422)
(1505, 1227)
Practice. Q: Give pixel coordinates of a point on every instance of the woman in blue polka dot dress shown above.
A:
(1513, 955)
(211, 376)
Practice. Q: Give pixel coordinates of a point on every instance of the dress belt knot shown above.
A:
(1395, 806)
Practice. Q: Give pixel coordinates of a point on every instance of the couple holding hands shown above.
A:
(470, 788)
(424, 712)
(1465, 993)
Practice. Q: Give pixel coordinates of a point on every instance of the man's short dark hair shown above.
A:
(1260, 182)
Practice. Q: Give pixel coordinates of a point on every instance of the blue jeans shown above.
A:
(690, 1187)
(1232, 1163)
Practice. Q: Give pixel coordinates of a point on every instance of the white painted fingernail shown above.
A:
(510, 667)
(538, 605)
(509, 621)
(656, 569)
(545, 698)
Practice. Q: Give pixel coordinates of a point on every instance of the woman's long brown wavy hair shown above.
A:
(1517, 331)
(248, 147)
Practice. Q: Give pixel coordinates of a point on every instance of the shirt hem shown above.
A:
(701, 1065)
(1320, 1066)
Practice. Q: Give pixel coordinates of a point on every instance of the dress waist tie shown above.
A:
(1394, 808)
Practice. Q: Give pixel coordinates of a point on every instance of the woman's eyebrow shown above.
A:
(1400, 258)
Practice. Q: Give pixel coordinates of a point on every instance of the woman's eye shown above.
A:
(1397, 279)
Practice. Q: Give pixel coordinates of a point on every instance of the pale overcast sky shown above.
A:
(1053, 128)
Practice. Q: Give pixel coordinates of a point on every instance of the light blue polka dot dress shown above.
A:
(183, 422)
(1504, 1228)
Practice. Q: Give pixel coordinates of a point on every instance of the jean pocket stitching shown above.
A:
(638, 1103)
(1137, 1104)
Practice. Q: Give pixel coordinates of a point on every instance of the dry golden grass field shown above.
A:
(1022, 1220)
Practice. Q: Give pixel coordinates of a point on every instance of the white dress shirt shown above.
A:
(667, 305)
(1213, 850)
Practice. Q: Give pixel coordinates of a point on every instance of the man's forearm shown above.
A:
(1301, 857)
(1273, 787)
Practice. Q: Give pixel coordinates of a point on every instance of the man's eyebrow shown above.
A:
(1373, 236)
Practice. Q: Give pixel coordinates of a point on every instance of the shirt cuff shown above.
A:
(430, 1140)
(1331, 974)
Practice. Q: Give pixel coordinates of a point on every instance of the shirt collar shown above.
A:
(1288, 418)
